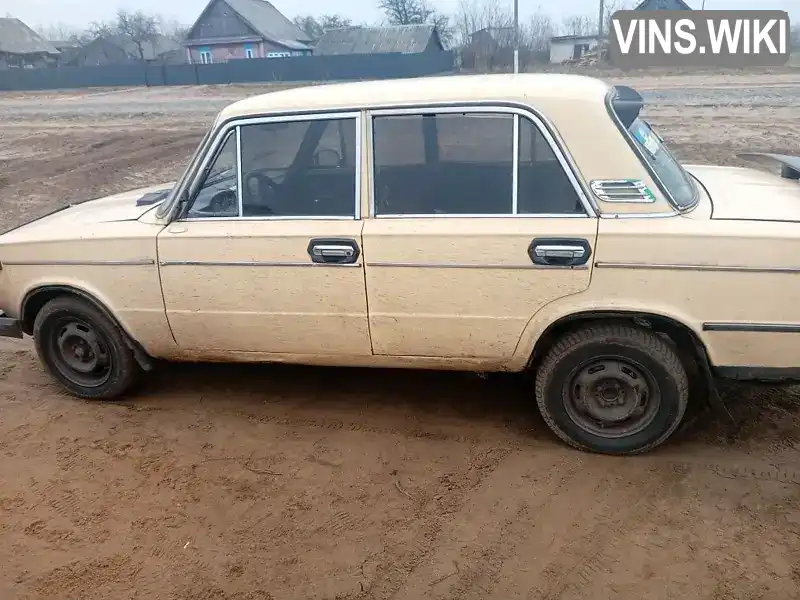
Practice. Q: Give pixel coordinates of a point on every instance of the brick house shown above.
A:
(237, 29)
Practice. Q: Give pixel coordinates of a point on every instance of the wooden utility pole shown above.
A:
(516, 36)
(600, 21)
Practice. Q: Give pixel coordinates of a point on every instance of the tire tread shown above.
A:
(127, 370)
(644, 340)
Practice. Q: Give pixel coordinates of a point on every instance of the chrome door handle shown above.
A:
(559, 252)
(331, 250)
(337, 251)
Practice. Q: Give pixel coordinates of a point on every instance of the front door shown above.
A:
(476, 225)
(267, 256)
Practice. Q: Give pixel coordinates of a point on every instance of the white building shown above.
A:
(568, 47)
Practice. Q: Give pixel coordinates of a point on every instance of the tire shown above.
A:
(70, 322)
(593, 377)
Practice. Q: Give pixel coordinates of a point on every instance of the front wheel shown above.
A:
(83, 349)
(613, 389)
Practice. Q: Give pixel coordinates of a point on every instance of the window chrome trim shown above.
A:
(239, 177)
(196, 179)
(273, 218)
(486, 216)
(166, 210)
(544, 126)
(515, 167)
(358, 158)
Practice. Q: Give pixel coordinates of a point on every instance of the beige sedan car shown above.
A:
(486, 223)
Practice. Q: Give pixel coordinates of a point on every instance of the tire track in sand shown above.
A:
(524, 533)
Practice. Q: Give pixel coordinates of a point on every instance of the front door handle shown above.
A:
(559, 252)
(335, 251)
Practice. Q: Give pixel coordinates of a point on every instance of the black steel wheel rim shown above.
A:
(81, 352)
(611, 396)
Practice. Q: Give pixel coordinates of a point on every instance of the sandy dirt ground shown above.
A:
(266, 482)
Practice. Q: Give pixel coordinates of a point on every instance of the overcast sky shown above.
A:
(77, 13)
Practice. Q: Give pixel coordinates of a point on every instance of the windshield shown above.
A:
(676, 181)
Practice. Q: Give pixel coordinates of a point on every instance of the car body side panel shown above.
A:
(462, 287)
(251, 286)
(116, 264)
(703, 274)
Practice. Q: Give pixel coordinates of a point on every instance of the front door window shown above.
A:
(283, 169)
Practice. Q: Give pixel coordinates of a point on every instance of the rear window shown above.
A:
(672, 175)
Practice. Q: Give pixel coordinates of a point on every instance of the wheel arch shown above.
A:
(34, 300)
(690, 346)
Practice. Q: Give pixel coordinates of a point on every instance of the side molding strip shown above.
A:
(510, 267)
(81, 263)
(753, 327)
(687, 267)
(250, 263)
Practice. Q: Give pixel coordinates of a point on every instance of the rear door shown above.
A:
(476, 223)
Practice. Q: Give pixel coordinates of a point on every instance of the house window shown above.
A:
(278, 54)
(205, 56)
(249, 51)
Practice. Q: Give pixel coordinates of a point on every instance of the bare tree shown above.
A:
(476, 15)
(610, 7)
(406, 12)
(99, 29)
(314, 27)
(416, 12)
(334, 22)
(309, 25)
(795, 38)
(173, 29)
(138, 27)
(579, 25)
(58, 32)
(536, 35)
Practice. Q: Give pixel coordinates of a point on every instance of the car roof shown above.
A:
(527, 87)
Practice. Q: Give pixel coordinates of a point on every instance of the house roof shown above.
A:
(18, 38)
(407, 39)
(494, 30)
(120, 49)
(575, 38)
(266, 20)
(151, 49)
(663, 5)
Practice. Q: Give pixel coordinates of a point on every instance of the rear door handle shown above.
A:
(336, 251)
(559, 252)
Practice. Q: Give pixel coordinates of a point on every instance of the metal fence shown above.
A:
(298, 68)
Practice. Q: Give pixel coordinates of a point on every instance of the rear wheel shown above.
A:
(83, 349)
(612, 388)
